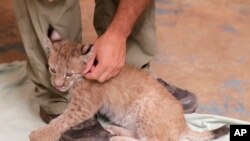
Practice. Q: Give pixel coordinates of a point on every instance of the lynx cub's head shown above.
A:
(66, 61)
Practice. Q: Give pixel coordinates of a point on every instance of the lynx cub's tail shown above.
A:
(207, 135)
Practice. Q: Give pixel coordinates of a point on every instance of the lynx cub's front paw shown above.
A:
(44, 134)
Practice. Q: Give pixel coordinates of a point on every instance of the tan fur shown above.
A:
(133, 100)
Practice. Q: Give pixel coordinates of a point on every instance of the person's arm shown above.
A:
(126, 16)
(110, 48)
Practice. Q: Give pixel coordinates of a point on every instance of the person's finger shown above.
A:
(96, 72)
(92, 68)
(106, 75)
(103, 77)
(90, 63)
(115, 72)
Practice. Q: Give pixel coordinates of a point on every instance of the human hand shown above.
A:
(110, 52)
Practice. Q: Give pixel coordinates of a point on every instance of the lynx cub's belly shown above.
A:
(118, 116)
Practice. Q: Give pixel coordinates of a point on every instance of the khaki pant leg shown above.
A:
(34, 17)
(141, 44)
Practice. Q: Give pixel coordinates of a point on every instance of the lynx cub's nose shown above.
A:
(59, 83)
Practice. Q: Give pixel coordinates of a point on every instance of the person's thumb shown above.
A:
(89, 64)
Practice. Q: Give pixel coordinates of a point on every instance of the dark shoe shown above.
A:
(90, 130)
(187, 99)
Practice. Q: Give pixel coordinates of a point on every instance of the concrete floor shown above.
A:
(204, 46)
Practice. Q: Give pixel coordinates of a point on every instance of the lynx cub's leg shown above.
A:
(119, 131)
(81, 108)
(122, 138)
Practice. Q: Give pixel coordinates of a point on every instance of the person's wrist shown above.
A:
(118, 34)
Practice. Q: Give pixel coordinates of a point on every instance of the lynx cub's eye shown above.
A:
(69, 74)
(52, 70)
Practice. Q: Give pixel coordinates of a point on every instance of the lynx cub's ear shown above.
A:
(86, 52)
(86, 49)
(52, 37)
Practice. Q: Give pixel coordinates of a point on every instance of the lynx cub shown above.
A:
(141, 108)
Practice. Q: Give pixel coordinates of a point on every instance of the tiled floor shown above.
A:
(204, 46)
